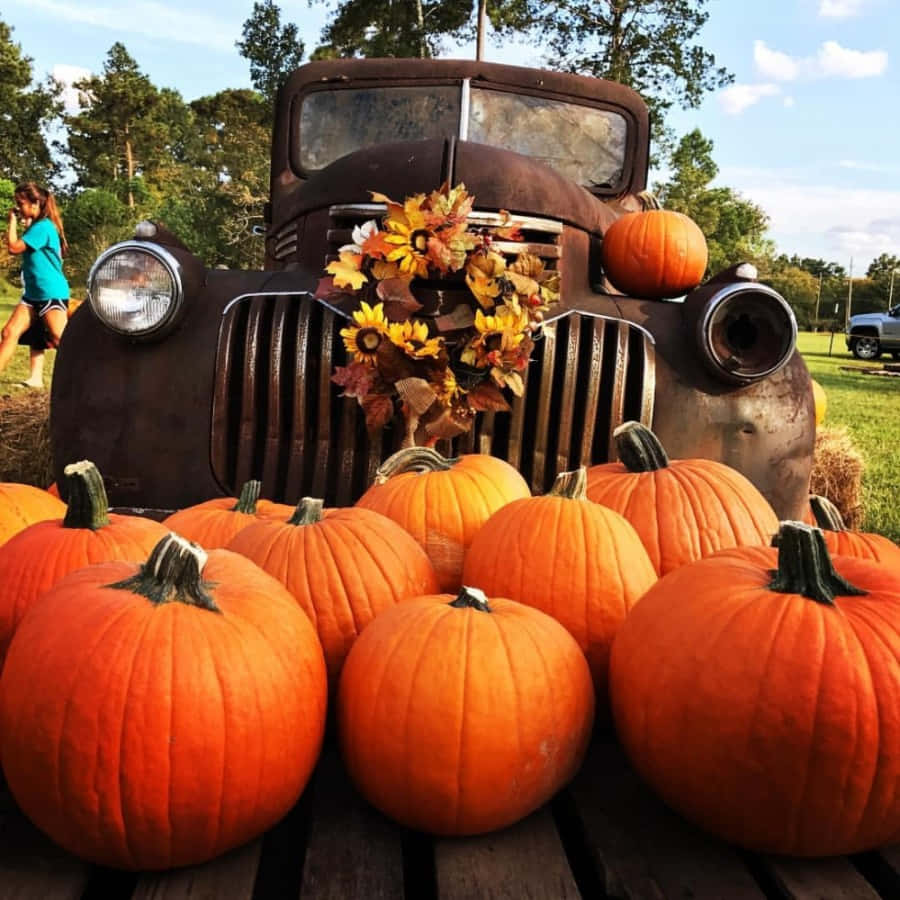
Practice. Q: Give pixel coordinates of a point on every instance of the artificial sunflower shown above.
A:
(407, 232)
(448, 390)
(498, 338)
(364, 339)
(412, 338)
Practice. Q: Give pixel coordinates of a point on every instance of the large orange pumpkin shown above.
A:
(462, 716)
(343, 567)
(758, 691)
(38, 556)
(682, 509)
(22, 505)
(155, 716)
(654, 253)
(578, 561)
(841, 542)
(443, 502)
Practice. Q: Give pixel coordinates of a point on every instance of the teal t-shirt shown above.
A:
(42, 263)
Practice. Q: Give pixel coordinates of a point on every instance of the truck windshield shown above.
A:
(584, 143)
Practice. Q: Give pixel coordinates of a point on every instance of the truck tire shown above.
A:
(865, 347)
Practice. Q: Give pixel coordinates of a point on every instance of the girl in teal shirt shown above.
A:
(46, 290)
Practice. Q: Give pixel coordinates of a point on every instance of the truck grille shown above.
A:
(278, 417)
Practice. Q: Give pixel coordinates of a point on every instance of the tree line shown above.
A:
(133, 150)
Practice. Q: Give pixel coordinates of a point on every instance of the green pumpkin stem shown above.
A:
(571, 485)
(413, 459)
(828, 517)
(639, 448)
(249, 495)
(308, 512)
(805, 567)
(471, 598)
(172, 574)
(88, 506)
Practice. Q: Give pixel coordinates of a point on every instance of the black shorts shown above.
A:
(36, 335)
(42, 307)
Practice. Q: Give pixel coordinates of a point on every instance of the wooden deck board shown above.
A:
(814, 879)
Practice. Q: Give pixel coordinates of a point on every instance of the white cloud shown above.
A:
(147, 18)
(840, 9)
(774, 64)
(67, 75)
(788, 102)
(737, 97)
(835, 60)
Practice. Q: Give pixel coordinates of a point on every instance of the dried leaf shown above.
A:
(398, 299)
(447, 424)
(346, 271)
(392, 363)
(356, 379)
(461, 316)
(486, 397)
(377, 246)
(417, 393)
(379, 410)
(528, 264)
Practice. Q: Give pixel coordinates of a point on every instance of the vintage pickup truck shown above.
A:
(182, 381)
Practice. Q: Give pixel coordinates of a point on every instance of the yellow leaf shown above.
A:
(346, 271)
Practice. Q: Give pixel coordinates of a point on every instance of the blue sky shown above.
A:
(808, 131)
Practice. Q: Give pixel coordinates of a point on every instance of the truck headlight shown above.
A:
(135, 288)
(745, 332)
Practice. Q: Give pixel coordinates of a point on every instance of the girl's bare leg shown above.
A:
(16, 325)
(56, 323)
(36, 375)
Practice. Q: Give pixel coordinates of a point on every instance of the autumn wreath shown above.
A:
(440, 368)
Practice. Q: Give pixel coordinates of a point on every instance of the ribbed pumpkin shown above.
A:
(820, 401)
(841, 542)
(682, 509)
(155, 716)
(443, 502)
(213, 523)
(22, 505)
(460, 716)
(654, 253)
(578, 561)
(38, 556)
(343, 566)
(758, 691)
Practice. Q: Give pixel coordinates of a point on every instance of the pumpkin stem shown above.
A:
(648, 200)
(805, 567)
(308, 512)
(413, 459)
(249, 495)
(173, 573)
(88, 506)
(639, 448)
(571, 485)
(828, 517)
(471, 598)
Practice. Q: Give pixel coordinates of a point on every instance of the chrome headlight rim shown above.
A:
(704, 331)
(167, 260)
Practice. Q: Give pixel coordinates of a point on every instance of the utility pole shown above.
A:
(849, 296)
(482, 28)
(891, 288)
(818, 298)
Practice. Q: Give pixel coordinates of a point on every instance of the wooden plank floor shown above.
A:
(605, 836)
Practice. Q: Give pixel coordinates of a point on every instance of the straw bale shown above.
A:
(25, 438)
(837, 473)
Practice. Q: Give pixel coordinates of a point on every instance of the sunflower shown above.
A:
(448, 391)
(364, 339)
(498, 338)
(408, 233)
(412, 338)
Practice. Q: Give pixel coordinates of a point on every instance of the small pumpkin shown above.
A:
(842, 542)
(573, 559)
(157, 715)
(820, 401)
(682, 509)
(22, 505)
(460, 716)
(38, 556)
(443, 502)
(757, 692)
(654, 253)
(343, 566)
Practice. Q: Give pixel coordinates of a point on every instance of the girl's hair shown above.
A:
(34, 193)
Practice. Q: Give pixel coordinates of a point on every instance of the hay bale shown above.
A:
(25, 438)
(837, 473)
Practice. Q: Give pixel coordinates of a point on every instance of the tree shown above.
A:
(26, 109)
(882, 271)
(800, 289)
(272, 49)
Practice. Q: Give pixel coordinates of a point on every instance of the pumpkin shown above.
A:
(22, 505)
(156, 716)
(654, 253)
(213, 523)
(38, 556)
(842, 542)
(573, 559)
(343, 566)
(682, 509)
(443, 502)
(53, 489)
(758, 692)
(820, 401)
(460, 716)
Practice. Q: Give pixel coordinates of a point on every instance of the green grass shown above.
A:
(869, 406)
(17, 370)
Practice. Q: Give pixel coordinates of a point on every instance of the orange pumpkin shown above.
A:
(682, 509)
(22, 505)
(654, 253)
(841, 542)
(462, 716)
(758, 691)
(443, 502)
(156, 716)
(573, 559)
(38, 556)
(342, 566)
